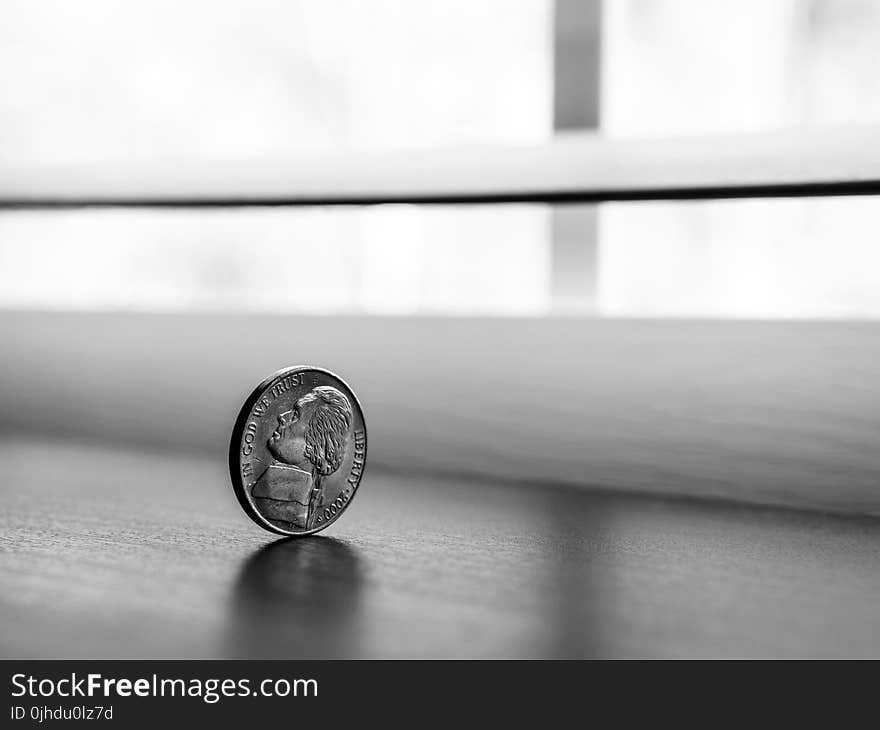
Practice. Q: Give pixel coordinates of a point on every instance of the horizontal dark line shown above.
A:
(781, 190)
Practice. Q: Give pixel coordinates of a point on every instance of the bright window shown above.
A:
(242, 79)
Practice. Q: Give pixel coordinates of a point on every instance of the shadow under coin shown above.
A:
(296, 599)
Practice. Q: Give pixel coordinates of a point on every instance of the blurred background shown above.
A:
(524, 369)
(97, 81)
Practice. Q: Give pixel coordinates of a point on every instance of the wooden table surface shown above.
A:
(109, 552)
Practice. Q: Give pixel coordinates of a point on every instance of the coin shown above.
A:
(298, 450)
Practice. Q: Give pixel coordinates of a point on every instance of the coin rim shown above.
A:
(235, 445)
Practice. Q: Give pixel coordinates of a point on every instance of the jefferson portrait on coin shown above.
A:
(307, 445)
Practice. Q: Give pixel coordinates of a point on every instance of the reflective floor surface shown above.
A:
(111, 552)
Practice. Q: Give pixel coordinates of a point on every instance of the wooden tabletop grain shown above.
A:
(110, 552)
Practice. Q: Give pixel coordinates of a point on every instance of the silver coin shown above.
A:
(298, 451)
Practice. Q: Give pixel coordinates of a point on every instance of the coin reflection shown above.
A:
(298, 599)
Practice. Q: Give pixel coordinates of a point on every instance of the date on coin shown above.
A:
(298, 451)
